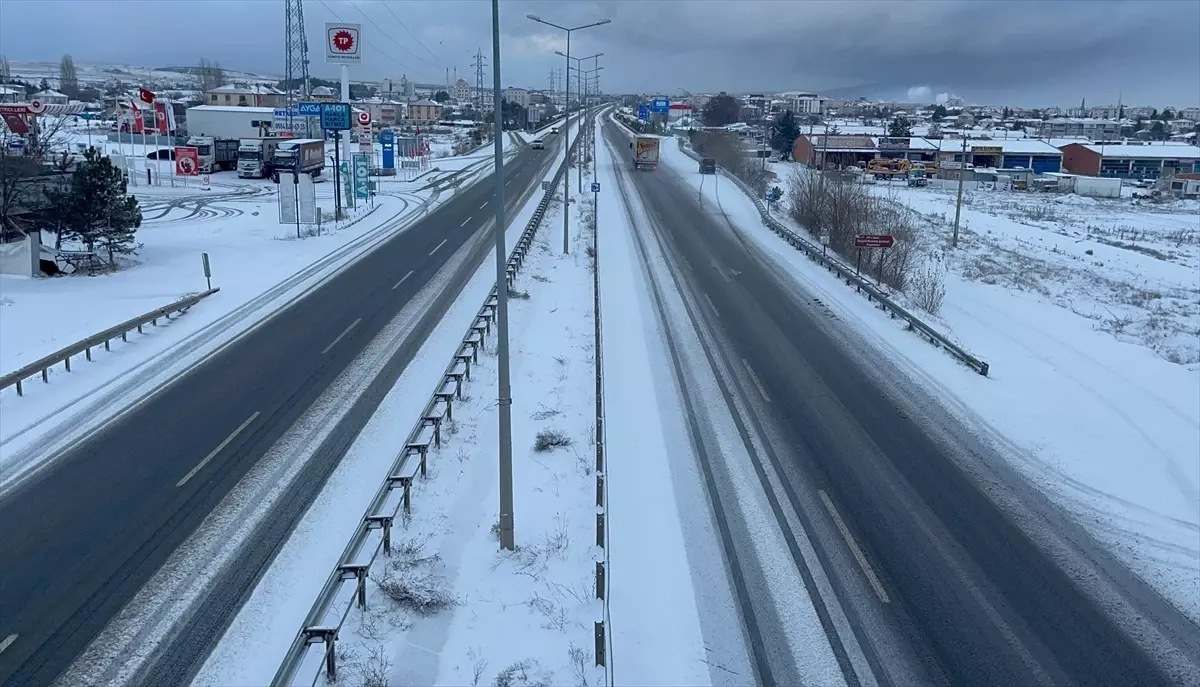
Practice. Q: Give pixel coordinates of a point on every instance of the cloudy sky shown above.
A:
(1029, 52)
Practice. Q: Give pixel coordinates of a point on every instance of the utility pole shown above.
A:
(507, 536)
(962, 172)
(479, 64)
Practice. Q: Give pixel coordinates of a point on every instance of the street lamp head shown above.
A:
(603, 21)
(534, 17)
(561, 53)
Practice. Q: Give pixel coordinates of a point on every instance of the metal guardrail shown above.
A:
(815, 252)
(347, 583)
(104, 338)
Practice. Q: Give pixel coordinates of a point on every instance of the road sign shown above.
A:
(187, 161)
(643, 111)
(595, 187)
(660, 106)
(874, 241)
(364, 118)
(308, 109)
(362, 173)
(387, 140)
(335, 116)
(343, 43)
(284, 112)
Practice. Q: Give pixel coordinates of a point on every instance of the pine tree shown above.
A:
(44, 85)
(939, 113)
(68, 77)
(784, 133)
(899, 127)
(101, 215)
(935, 131)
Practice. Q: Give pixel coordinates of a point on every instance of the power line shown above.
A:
(389, 36)
(376, 47)
(410, 33)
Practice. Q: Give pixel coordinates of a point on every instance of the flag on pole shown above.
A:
(146, 96)
(136, 118)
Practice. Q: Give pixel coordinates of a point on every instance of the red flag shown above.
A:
(146, 96)
(160, 111)
(137, 119)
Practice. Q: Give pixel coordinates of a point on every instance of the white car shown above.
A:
(538, 144)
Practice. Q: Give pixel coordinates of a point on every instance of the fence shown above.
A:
(104, 338)
(347, 583)
(844, 272)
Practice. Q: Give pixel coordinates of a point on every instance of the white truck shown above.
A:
(645, 151)
(215, 154)
(255, 157)
(302, 155)
(230, 122)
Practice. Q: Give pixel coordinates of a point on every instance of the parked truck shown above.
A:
(215, 154)
(256, 157)
(302, 155)
(645, 152)
(230, 122)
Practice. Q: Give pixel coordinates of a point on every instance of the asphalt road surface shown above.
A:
(83, 536)
(967, 592)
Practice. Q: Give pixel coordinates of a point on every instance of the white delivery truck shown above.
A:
(645, 151)
(255, 156)
(218, 121)
(302, 155)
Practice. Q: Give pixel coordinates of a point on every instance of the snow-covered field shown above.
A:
(1102, 420)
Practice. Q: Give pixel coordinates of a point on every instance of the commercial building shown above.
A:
(253, 95)
(1088, 127)
(517, 96)
(841, 150)
(1130, 160)
(1020, 153)
(806, 103)
(423, 113)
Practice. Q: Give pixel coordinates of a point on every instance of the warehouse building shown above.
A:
(1021, 153)
(1131, 160)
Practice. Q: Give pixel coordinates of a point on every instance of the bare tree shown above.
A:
(18, 168)
(68, 77)
(5, 69)
(211, 75)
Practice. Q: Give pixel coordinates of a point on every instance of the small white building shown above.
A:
(517, 96)
(51, 97)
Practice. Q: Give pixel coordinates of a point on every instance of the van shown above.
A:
(538, 144)
(554, 130)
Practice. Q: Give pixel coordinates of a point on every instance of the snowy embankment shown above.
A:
(528, 609)
(1101, 420)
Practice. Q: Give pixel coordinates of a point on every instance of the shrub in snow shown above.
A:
(550, 439)
(408, 580)
(526, 673)
(521, 295)
(927, 288)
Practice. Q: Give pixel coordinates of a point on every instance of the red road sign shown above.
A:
(187, 161)
(874, 241)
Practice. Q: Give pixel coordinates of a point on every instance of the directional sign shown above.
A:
(308, 109)
(335, 116)
(595, 187)
(644, 111)
(874, 241)
(660, 106)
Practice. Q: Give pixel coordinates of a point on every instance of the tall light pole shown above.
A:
(507, 537)
(582, 73)
(567, 130)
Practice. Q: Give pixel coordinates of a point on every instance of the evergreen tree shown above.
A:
(68, 77)
(935, 131)
(44, 85)
(939, 113)
(899, 127)
(834, 130)
(100, 214)
(1167, 114)
(784, 132)
(441, 96)
(721, 110)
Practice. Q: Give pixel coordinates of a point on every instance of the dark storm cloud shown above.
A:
(1014, 51)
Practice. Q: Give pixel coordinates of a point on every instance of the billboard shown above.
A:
(343, 43)
(362, 172)
(187, 161)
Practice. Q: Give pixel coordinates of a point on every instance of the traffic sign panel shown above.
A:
(874, 241)
(595, 187)
(660, 105)
(335, 116)
(644, 111)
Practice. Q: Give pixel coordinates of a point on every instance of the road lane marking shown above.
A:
(754, 377)
(483, 206)
(215, 451)
(7, 642)
(858, 554)
(710, 305)
(438, 246)
(461, 225)
(402, 280)
(341, 336)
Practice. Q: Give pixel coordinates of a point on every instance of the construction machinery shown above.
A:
(917, 177)
(886, 169)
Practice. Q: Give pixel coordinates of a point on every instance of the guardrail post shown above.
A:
(45, 376)
(359, 573)
(383, 522)
(599, 489)
(600, 658)
(87, 352)
(600, 529)
(67, 363)
(20, 390)
(600, 580)
(327, 636)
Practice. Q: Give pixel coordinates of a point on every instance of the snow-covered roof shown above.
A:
(256, 89)
(322, 91)
(49, 93)
(1169, 151)
(1012, 146)
(233, 108)
(4, 90)
(426, 103)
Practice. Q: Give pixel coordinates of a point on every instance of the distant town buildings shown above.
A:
(246, 95)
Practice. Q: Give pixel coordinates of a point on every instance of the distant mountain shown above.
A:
(98, 73)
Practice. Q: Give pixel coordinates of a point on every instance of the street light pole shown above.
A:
(507, 536)
(567, 131)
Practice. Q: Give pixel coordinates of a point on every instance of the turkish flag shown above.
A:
(160, 111)
(146, 96)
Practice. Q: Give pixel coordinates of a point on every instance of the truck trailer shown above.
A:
(256, 157)
(301, 155)
(230, 122)
(215, 154)
(645, 151)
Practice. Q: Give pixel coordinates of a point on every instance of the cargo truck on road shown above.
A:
(645, 151)
(256, 156)
(302, 155)
(215, 154)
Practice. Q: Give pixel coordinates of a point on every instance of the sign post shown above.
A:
(187, 162)
(207, 270)
(343, 46)
(387, 141)
(336, 117)
(862, 241)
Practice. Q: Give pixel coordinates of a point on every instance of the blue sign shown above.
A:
(595, 187)
(309, 109)
(362, 176)
(387, 139)
(285, 112)
(335, 116)
(660, 106)
(644, 111)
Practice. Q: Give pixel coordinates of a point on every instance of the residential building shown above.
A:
(397, 89)
(462, 91)
(252, 95)
(12, 93)
(1066, 127)
(50, 97)
(1192, 113)
(423, 112)
(383, 112)
(517, 96)
(1131, 160)
(1106, 112)
(806, 103)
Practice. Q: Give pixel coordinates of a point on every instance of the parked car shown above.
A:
(538, 144)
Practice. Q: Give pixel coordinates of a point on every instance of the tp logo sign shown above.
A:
(343, 43)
